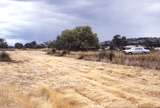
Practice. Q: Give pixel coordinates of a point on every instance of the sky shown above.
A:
(43, 20)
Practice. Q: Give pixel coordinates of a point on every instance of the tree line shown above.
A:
(18, 45)
(78, 38)
(83, 38)
(119, 42)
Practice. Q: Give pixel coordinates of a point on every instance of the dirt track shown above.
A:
(97, 85)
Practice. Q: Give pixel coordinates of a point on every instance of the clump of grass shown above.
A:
(4, 57)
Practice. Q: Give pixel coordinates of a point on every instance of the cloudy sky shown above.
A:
(42, 20)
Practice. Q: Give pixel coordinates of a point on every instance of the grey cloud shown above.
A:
(44, 19)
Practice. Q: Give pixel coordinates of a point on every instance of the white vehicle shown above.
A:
(137, 50)
(157, 49)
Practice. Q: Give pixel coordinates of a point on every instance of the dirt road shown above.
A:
(95, 85)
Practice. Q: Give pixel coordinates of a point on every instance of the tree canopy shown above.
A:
(119, 41)
(3, 43)
(34, 45)
(79, 38)
(18, 45)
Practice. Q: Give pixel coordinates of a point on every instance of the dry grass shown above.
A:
(42, 98)
(93, 56)
(151, 61)
(75, 83)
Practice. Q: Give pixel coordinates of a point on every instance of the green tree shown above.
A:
(66, 40)
(119, 41)
(123, 41)
(3, 43)
(50, 44)
(18, 45)
(116, 41)
(79, 38)
(32, 44)
(86, 38)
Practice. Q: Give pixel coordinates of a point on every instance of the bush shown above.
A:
(4, 57)
(63, 53)
(51, 51)
(81, 56)
(101, 55)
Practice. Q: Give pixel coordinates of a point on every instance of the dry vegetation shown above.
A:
(73, 83)
(4, 57)
(151, 61)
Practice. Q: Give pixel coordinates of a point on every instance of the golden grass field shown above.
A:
(37, 80)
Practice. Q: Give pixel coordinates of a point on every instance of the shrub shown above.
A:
(51, 51)
(81, 56)
(4, 56)
(101, 55)
(63, 53)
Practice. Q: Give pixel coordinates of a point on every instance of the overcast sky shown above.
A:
(42, 20)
